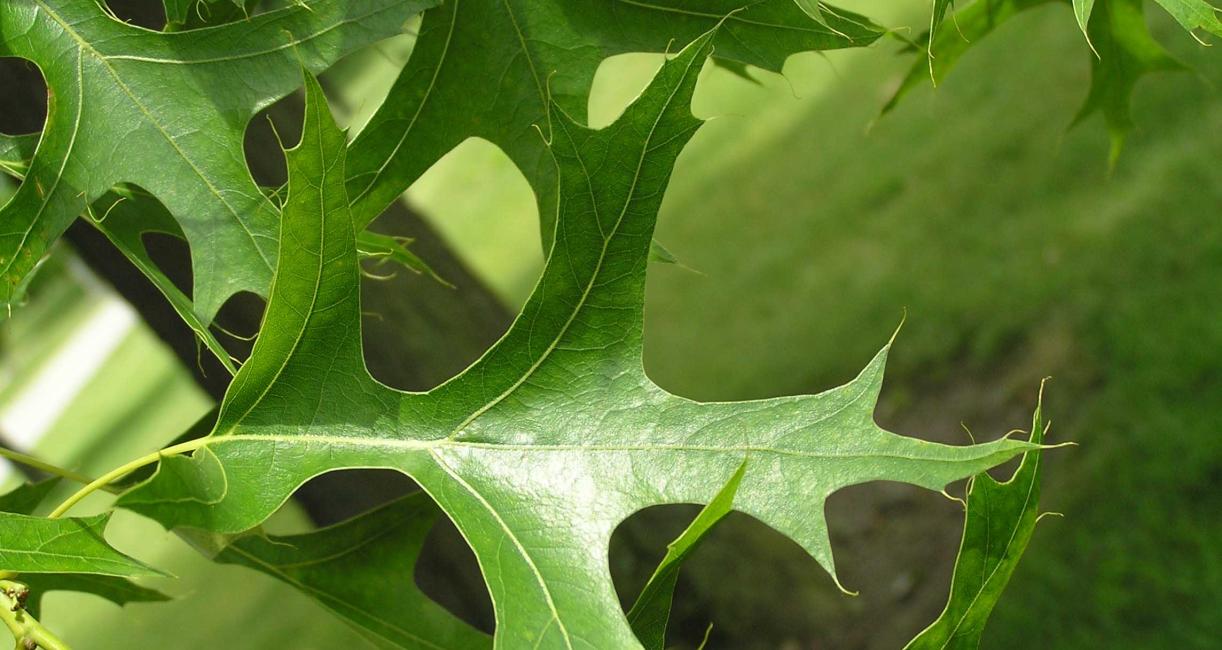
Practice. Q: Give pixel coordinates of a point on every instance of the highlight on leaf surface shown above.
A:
(540, 448)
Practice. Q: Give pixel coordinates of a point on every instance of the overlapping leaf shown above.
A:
(363, 570)
(488, 69)
(61, 559)
(1000, 520)
(544, 445)
(166, 111)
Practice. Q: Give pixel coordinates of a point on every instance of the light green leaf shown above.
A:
(488, 68)
(973, 23)
(540, 448)
(363, 571)
(40, 545)
(119, 590)
(166, 111)
(650, 614)
(1081, 11)
(1194, 14)
(388, 248)
(998, 525)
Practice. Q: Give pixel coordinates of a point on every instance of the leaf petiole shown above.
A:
(101, 482)
(29, 633)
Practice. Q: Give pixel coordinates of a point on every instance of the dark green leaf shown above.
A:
(1127, 52)
(26, 498)
(363, 570)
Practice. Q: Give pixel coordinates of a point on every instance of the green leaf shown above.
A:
(363, 571)
(40, 545)
(1127, 52)
(1194, 14)
(124, 219)
(998, 525)
(488, 69)
(650, 614)
(540, 448)
(119, 591)
(388, 248)
(166, 111)
(1081, 11)
(973, 23)
(16, 152)
(1122, 52)
(26, 498)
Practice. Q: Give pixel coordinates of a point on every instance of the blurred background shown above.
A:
(803, 229)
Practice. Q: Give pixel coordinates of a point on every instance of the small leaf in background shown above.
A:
(999, 522)
(167, 112)
(387, 248)
(650, 614)
(363, 570)
(1126, 53)
(1121, 48)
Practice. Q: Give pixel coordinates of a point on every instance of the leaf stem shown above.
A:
(101, 482)
(42, 465)
(29, 633)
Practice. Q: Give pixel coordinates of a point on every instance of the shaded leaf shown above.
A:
(363, 571)
(539, 449)
(26, 498)
(998, 525)
(650, 614)
(117, 590)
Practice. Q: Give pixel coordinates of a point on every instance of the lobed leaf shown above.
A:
(166, 111)
(363, 571)
(540, 448)
(490, 68)
(40, 545)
